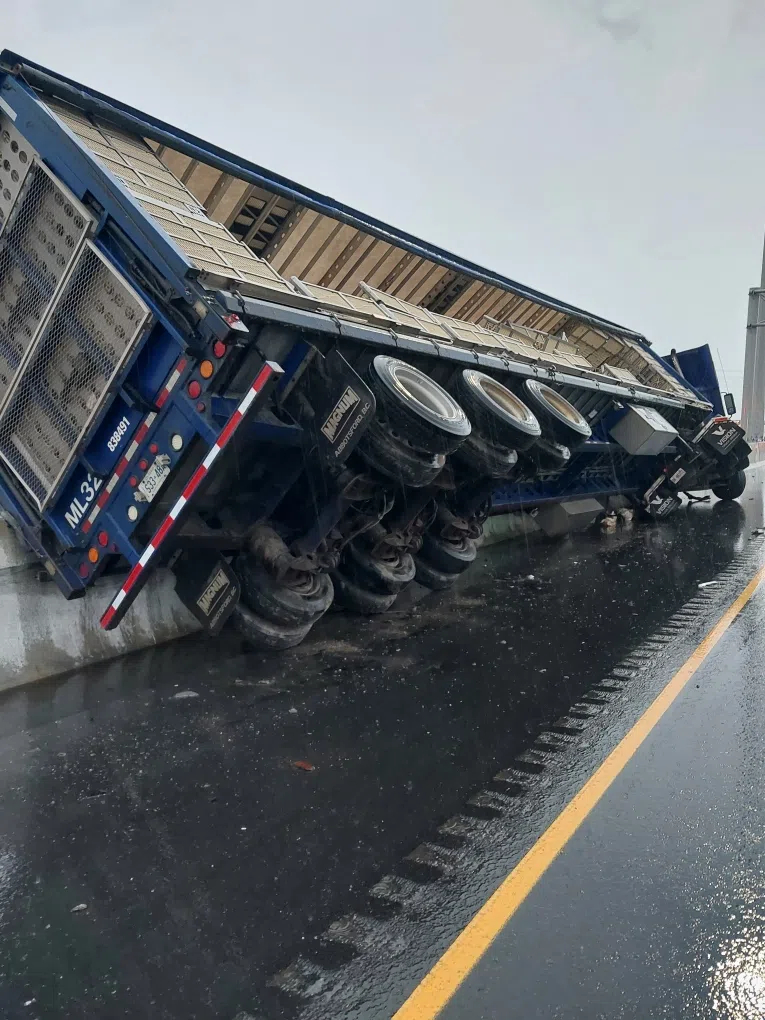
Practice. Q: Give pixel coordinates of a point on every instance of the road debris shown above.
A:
(608, 522)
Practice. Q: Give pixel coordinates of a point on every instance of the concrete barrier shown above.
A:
(43, 635)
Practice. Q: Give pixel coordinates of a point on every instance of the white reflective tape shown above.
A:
(146, 555)
(212, 453)
(118, 598)
(243, 407)
(178, 507)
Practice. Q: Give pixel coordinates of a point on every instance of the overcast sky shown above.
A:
(608, 152)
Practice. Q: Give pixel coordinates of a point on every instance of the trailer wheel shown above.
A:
(429, 577)
(360, 600)
(561, 419)
(394, 459)
(415, 405)
(388, 577)
(731, 488)
(266, 634)
(290, 606)
(448, 557)
(742, 452)
(485, 459)
(550, 456)
(496, 412)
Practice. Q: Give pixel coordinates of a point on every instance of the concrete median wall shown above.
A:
(43, 635)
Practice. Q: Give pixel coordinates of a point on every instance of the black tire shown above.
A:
(278, 603)
(266, 634)
(396, 460)
(484, 459)
(416, 406)
(447, 557)
(431, 578)
(560, 419)
(731, 488)
(382, 576)
(360, 600)
(742, 453)
(496, 412)
(549, 456)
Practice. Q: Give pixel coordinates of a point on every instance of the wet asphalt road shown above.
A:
(212, 811)
(656, 908)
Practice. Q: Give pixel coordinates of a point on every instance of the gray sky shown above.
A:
(604, 151)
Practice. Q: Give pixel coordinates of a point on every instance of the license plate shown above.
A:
(155, 477)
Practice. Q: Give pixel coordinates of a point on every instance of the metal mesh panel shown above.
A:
(45, 232)
(16, 157)
(166, 191)
(175, 230)
(345, 305)
(123, 172)
(144, 191)
(221, 258)
(213, 229)
(91, 331)
(131, 145)
(622, 374)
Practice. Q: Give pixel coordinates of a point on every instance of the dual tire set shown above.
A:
(489, 431)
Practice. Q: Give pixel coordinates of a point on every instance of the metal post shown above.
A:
(753, 398)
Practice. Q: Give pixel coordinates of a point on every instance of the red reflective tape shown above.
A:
(132, 578)
(86, 526)
(262, 377)
(121, 466)
(229, 428)
(194, 481)
(141, 433)
(175, 375)
(108, 616)
(162, 532)
(103, 499)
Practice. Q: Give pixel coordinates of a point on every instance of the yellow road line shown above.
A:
(438, 986)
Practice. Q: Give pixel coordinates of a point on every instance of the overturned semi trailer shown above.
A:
(206, 367)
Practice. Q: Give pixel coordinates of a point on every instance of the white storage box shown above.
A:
(643, 432)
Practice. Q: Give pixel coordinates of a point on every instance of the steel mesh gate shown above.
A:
(68, 321)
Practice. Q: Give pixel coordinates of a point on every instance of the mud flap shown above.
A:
(660, 506)
(720, 436)
(335, 409)
(207, 585)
